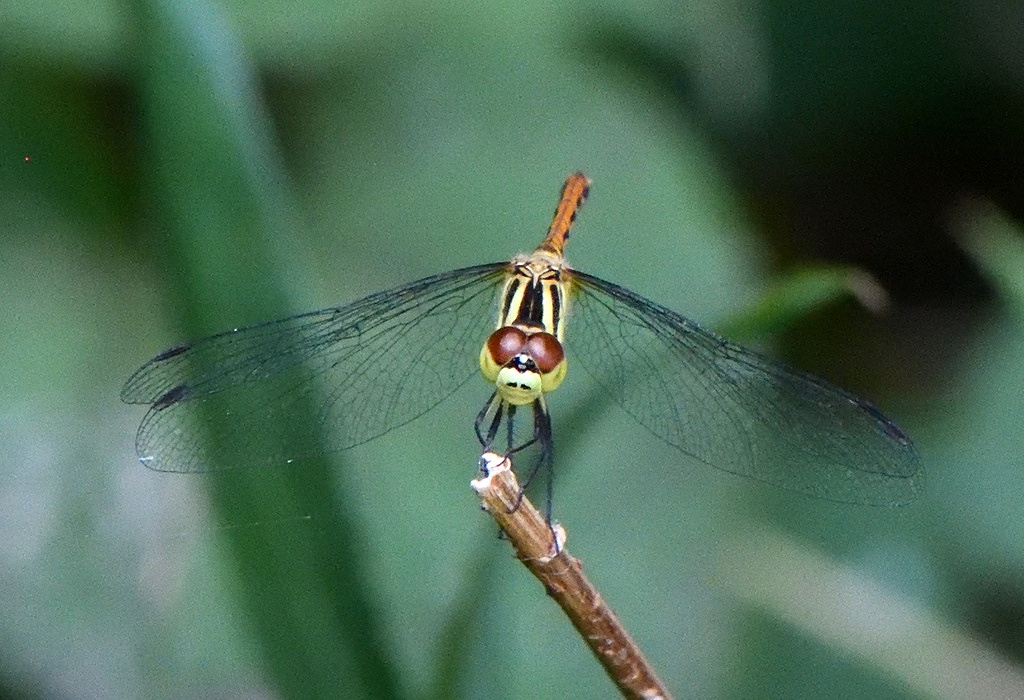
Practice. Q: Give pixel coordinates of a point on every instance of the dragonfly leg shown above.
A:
(497, 405)
(541, 436)
(542, 433)
(510, 425)
(493, 413)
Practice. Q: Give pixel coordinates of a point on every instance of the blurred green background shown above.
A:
(171, 169)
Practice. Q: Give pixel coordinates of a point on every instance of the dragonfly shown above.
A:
(270, 394)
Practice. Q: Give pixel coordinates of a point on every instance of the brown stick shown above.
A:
(563, 579)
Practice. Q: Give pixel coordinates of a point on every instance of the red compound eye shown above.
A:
(545, 350)
(505, 343)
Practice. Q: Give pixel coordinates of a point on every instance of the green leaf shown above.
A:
(221, 201)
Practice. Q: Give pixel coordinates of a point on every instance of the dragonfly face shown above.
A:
(523, 362)
(270, 394)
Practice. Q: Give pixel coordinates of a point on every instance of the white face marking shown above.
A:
(519, 382)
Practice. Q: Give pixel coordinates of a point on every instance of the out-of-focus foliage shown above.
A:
(173, 168)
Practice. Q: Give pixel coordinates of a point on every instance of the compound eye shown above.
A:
(505, 343)
(545, 350)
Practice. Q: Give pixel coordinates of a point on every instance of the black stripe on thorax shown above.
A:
(533, 294)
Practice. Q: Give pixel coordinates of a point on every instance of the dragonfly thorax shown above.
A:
(523, 362)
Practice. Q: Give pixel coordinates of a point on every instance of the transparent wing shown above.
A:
(732, 408)
(268, 394)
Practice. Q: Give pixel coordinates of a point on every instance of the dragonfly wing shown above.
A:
(733, 409)
(275, 392)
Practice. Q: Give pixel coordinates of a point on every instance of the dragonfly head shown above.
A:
(523, 363)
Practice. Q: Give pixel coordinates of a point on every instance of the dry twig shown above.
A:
(562, 576)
